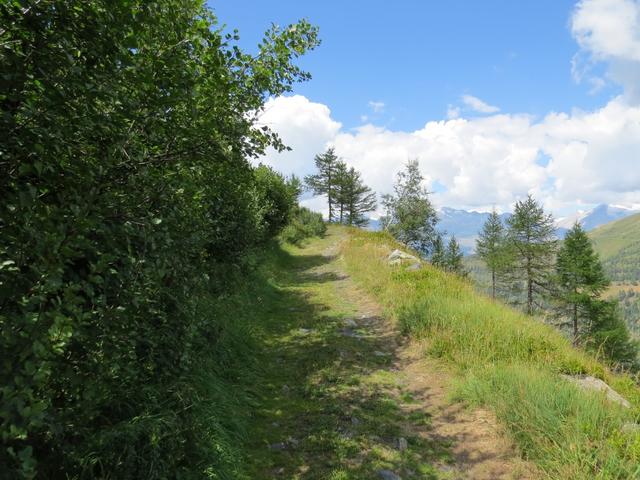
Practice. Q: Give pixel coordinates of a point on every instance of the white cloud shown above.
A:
(608, 31)
(568, 160)
(305, 126)
(377, 107)
(482, 162)
(478, 105)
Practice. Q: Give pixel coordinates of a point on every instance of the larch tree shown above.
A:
(531, 238)
(324, 182)
(438, 252)
(580, 280)
(490, 247)
(358, 199)
(453, 257)
(341, 180)
(410, 216)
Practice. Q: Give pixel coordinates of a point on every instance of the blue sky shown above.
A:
(417, 57)
(497, 99)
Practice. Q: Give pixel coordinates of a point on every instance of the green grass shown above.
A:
(618, 244)
(612, 237)
(508, 362)
(323, 406)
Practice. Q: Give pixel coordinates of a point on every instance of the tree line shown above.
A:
(348, 198)
(529, 266)
(563, 280)
(409, 214)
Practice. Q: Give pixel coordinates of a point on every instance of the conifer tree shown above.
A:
(607, 333)
(438, 252)
(341, 187)
(491, 248)
(410, 216)
(357, 197)
(324, 182)
(580, 280)
(531, 238)
(453, 257)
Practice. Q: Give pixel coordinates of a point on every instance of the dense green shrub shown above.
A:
(126, 196)
(276, 199)
(304, 224)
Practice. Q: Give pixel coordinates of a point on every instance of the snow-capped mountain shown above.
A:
(466, 225)
(591, 219)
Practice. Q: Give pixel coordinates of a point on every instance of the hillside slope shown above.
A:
(508, 362)
(618, 244)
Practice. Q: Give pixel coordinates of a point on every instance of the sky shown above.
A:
(496, 99)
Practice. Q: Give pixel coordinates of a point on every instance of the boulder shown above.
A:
(630, 428)
(400, 255)
(587, 382)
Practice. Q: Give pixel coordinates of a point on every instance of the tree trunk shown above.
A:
(575, 324)
(493, 283)
(530, 296)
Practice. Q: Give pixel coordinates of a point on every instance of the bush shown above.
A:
(304, 224)
(275, 200)
(127, 197)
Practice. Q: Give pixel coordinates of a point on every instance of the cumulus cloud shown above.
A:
(305, 126)
(477, 105)
(608, 31)
(480, 162)
(568, 160)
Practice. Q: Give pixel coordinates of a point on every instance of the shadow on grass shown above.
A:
(327, 404)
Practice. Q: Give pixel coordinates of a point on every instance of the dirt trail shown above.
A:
(480, 450)
(371, 405)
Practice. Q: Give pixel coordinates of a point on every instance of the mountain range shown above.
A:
(466, 225)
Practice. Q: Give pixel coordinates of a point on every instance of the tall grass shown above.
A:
(508, 362)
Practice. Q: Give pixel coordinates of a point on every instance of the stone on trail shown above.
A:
(388, 475)
(587, 382)
(401, 444)
(350, 322)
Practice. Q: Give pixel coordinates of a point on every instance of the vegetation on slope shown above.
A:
(618, 244)
(510, 362)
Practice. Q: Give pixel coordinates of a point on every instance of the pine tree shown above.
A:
(410, 217)
(453, 257)
(358, 199)
(341, 188)
(607, 333)
(531, 237)
(491, 248)
(580, 280)
(438, 252)
(323, 182)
